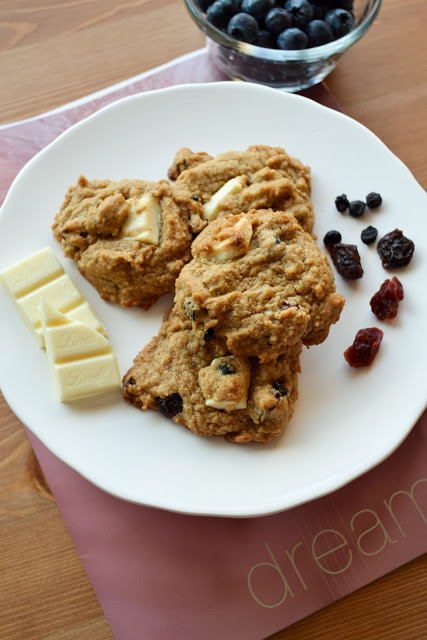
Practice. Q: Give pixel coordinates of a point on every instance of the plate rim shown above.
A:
(326, 487)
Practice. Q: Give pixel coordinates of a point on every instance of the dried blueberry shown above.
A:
(332, 237)
(170, 406)
(257, 8)
(340, 21)
(279, 390)
(209, 335)
(291, 39)
(318, 33)
(356, 208)
(373, 200)
(346, 260)
(225, 369)
(220, 12)
(341, 203)
(277, 20)
(301, 12)
(190, 310)
(194, 197)
(369, 235)
(395, 250)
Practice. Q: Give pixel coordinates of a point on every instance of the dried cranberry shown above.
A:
(386, 301)
(364, 348)
(395, 249)
(346, 260)
(170, 406)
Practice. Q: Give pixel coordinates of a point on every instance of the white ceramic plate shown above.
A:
(346, 421)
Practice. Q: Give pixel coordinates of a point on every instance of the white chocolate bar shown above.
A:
(81, 360)
(41, 275)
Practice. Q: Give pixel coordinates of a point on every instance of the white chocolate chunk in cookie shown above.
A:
(41, 275)
(232, 187)
(81, 360)
(225, 383)
(143, 220)
(235, 245)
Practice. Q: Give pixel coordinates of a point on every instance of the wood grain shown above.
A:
(54, 51)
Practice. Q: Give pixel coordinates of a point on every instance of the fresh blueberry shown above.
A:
(373, 200)
(318, 33)
(343, 4)
(356, 208)
(220, 12)
(332, 237)
(205, 4)
(369, 235)
(257, 8)
(340, 21)
(265, 39)
(243, 27)
(319, 10)
(292, 39)
(301, 12)
(277, 20)
(237, 4)
(341, 203)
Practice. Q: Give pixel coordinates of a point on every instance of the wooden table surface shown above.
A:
(54, 51)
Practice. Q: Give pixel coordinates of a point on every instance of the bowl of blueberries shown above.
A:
(286, 44)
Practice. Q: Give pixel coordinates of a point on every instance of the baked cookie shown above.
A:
(261, 177)
(199, 384)
(129, 238)
(261, 283)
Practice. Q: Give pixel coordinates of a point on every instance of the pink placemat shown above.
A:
(160, 575)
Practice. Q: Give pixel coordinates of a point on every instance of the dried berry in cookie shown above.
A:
(201, 385)
(261, 283)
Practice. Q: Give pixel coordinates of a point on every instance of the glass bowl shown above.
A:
(288, 70)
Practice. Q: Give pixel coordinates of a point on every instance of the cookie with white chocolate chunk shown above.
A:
(198, 383)
(129, 238)
(261, 177)
(258, 281)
